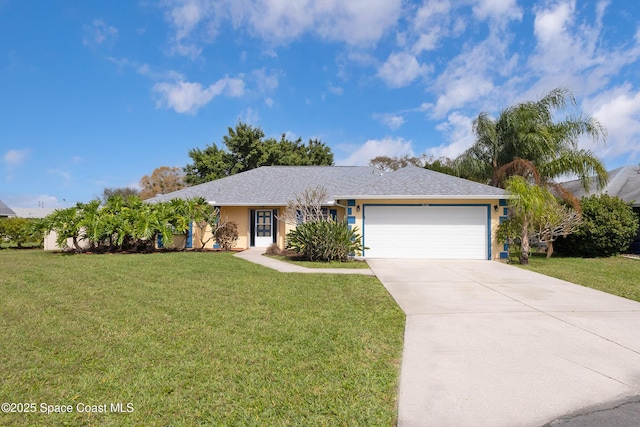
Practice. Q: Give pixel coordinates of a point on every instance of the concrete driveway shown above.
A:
(488, 344)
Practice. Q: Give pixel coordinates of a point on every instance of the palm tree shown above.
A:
(525, 140)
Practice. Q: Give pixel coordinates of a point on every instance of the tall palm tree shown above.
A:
(526, 140)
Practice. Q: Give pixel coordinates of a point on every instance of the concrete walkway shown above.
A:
(256, 256)
(488, 344)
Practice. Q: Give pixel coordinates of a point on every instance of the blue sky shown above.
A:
(98, 94)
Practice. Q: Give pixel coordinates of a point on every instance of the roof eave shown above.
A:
(258, 205)
(426, 196)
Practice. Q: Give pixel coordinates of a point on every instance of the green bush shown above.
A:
(608, 228)
(17, 231)
(325, 241)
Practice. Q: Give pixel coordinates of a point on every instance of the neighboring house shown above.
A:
(624, 182)
(409, 213)
(33, 212)
(6, 211)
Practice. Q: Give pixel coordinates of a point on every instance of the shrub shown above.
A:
(273, 249)
(227, 235)
(16, 230)
(608, 228)
(325, 241)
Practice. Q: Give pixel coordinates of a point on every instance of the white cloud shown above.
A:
(576, 53)
(268, 102)
(618, 110)
(267, 81)
(401, 69)
(355, 22)
(393, 121)
(336, 90)
(497, 10)
(377, 147)
(98, 33)
(250, 117)
(457, 130)
(15, 157)
(189, 97)
(461, 91)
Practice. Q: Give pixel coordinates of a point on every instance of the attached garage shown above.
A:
(427, 231)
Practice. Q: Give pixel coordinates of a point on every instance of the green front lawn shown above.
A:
(194, 339)
(616, 275)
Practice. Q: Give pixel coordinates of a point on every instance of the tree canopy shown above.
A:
(246, 148)
(124, 192)
(526, 140)
(162, 180)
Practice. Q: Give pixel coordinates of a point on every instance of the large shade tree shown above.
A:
(245, 148)
(527, 140)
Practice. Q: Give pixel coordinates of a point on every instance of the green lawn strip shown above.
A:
(321, 264)
(615, 275)
(195, 339)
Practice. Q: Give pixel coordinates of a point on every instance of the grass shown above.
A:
(615, 275)
(320, 264)
(194, 339)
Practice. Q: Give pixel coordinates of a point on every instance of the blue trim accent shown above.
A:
(506, 247)
(190, 237)
(486, 205)
(505, 211)
(351, 220)
(349, 211)
(503, 219)
(504, 255)
(351, 202)
(160, 244)
(503, 202)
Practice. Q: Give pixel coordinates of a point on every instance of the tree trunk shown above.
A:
(524, 247)
(549, 249)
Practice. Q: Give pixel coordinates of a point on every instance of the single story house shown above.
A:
(409, 213)
(6, 211)
(624, 182)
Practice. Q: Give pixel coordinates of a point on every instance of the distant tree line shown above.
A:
(244, 148)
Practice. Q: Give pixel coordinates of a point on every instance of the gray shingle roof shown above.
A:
(6, 210)
(412, 182)
(33, 212)
(275, 185)
(624, 182)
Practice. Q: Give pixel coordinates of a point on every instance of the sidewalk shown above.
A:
(255, 255)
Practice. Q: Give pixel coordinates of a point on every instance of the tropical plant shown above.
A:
(526, 140)
(325, 240)
(535, 215)
(608, 228)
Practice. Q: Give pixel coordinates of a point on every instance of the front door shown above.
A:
(264, 228)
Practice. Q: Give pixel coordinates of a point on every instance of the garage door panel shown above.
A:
(426, 232)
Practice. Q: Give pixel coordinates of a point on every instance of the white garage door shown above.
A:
(445, 232)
